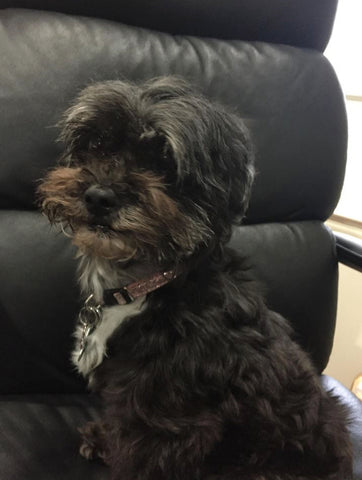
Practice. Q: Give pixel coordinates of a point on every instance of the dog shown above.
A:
(199, 379)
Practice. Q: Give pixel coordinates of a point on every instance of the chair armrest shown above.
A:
(354, 410)
(349, 250)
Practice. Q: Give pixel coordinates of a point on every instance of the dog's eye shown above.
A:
(104, 146)
(96, 144)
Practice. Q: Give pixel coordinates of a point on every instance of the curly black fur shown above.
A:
(206, 382)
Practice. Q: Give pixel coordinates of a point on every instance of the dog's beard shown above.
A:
(98, 243)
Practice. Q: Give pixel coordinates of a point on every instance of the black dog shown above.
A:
(199, 379)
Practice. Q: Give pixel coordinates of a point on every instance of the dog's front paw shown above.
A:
(93, 445)
(88, 451)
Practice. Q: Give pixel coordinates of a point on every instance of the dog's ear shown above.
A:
(209, 145)
(232, 154)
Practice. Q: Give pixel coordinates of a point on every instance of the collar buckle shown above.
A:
(123, 296)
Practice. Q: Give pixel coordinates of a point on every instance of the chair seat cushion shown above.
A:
(39, 437)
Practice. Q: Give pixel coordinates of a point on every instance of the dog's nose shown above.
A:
(100, 199)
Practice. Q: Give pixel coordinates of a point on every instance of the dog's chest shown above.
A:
(96, 343)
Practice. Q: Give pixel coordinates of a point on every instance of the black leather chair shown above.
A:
(264, 59)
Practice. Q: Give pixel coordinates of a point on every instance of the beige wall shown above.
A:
(346, 360)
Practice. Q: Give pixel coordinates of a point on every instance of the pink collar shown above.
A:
(129, 293)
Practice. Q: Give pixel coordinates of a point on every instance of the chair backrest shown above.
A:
(288, 95)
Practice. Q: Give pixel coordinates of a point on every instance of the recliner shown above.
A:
(262, 59)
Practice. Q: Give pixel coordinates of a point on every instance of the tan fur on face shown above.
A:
(60, 194)
(153, 221)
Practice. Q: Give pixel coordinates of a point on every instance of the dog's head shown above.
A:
(152, 171)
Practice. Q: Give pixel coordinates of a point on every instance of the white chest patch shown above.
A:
(96, 346)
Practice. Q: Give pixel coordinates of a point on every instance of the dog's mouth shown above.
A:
(101, 225)
(95, 227)
(101, 228)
